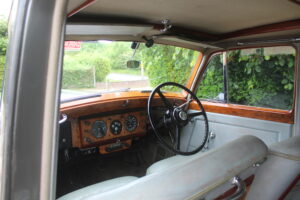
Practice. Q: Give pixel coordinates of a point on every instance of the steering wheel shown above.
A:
(174, 118)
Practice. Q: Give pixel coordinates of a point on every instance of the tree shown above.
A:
(168, 63)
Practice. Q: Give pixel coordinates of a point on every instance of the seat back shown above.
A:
(194, 177)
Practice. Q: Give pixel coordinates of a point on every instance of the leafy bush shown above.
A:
(78, 78)
(255, 79)
(260, 80)
(118, 54)
(2, 63)
(84, 68)
(212, 83)
(167, 63)
(3, 46)
(102, 68)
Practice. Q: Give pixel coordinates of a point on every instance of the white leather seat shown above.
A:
(278, 172)
(98, 188)
(168, 162)
(191, 178)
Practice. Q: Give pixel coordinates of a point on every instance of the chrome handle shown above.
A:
(241, 188)
(210, 138)
(64, 119)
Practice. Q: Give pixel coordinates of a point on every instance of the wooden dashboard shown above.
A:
(118, 106)
(113, 132)
(92, 119)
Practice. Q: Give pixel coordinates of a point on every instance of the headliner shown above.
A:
(201, 20)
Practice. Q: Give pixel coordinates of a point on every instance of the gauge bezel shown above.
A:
(136, 126)
(92, 131)
(111, 129)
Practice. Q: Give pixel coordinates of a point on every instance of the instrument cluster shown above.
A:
(106, 129)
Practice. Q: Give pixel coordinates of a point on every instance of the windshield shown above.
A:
(94, 68)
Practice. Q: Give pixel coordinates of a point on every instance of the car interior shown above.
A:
(186, 139)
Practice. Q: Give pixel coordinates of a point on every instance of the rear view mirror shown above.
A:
(133, 64)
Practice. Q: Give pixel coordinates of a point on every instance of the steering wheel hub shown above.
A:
(182, 115)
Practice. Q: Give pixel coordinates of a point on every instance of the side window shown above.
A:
(212, 83)
(260, 77)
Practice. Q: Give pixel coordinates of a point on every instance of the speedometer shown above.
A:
(131, 123)
(99, 129)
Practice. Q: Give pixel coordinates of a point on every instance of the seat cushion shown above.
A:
(289, 149)
(98, 188)
(278, 172)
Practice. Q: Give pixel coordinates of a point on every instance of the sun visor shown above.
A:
(113, 30)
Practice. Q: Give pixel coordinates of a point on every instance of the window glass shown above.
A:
(212, 83)
(260, 77)
(95, 67)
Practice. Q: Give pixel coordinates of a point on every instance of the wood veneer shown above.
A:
(247, 111)
(102, 149)
(87, 139)
(290, 187)
(112, 102)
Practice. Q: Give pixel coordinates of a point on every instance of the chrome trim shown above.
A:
(167, 25)
(241, 188)
(210, 138)
(64, 119)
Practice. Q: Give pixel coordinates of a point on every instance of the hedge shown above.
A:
(78, 78)
(81, 69)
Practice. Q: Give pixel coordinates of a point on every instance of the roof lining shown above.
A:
(188, 33)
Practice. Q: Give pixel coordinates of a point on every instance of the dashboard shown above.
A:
(108, 123)
(113, 132)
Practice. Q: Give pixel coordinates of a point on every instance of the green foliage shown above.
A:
(161, 63)
(256, 79)
(2, 63)
(212, 83)
(3, 46)
(168, 63)
(102, 68)
(3, 36)
(78, 78)
(118, 54)
(81, 68)
(260, 80)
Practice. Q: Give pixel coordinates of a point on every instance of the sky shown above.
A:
(5, 7)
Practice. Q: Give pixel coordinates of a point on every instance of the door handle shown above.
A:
(241, 188)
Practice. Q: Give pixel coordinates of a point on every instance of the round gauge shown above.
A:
(99, 129)
(116, 127)
(131, 123)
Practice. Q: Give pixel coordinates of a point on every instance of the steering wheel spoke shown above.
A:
(195, 114)
(165, 100)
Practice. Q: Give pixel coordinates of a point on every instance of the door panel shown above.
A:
(228, 127)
